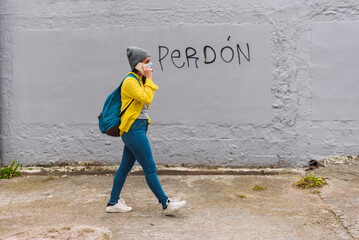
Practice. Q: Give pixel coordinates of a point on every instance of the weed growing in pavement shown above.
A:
(212, 167)
(241, 196)
(106, 236)
(316, 192)
(259, 188)
(308, 181)
(10, 171)
(170, 166)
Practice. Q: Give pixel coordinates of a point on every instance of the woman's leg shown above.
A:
(128, 160)
(137, 141)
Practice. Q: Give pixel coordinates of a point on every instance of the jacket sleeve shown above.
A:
(145, 94)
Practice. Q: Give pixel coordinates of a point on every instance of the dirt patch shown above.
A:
(78, 233)
(340, 160)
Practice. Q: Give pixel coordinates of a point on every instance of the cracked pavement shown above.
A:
(73, 207)
(342, 195)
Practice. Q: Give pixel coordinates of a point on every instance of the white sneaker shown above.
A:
(173, 206)
(119, 207)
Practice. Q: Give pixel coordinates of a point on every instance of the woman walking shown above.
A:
(136, 94)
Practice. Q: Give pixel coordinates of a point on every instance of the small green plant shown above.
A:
(308, 181)
(212, 167)
(259, 188)
(106, 236)
(169, 166)
(10, 171)
(241, 196)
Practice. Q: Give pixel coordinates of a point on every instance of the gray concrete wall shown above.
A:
(294, 100)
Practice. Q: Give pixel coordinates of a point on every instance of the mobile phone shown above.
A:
(139, 67)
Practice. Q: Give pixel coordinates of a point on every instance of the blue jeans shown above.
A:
(137, 147)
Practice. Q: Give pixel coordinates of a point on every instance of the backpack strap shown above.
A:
(132, 75)
(124, 110)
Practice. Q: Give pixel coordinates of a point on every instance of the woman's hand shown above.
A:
(147, 71)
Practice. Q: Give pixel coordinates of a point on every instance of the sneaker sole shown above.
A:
(176, 210)
(118, 211)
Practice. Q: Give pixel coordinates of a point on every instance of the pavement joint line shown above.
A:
(337, 217)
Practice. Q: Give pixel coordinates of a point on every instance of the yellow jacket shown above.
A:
(141, 94)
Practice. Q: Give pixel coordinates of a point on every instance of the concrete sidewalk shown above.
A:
(73, 207)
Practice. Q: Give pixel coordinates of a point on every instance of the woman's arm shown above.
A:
(132, 89)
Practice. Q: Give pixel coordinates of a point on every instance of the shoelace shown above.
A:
(175, 199)
(122, 201)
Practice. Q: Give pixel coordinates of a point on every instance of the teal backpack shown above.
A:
(110, 118)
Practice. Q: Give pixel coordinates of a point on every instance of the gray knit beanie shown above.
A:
(136, 55)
